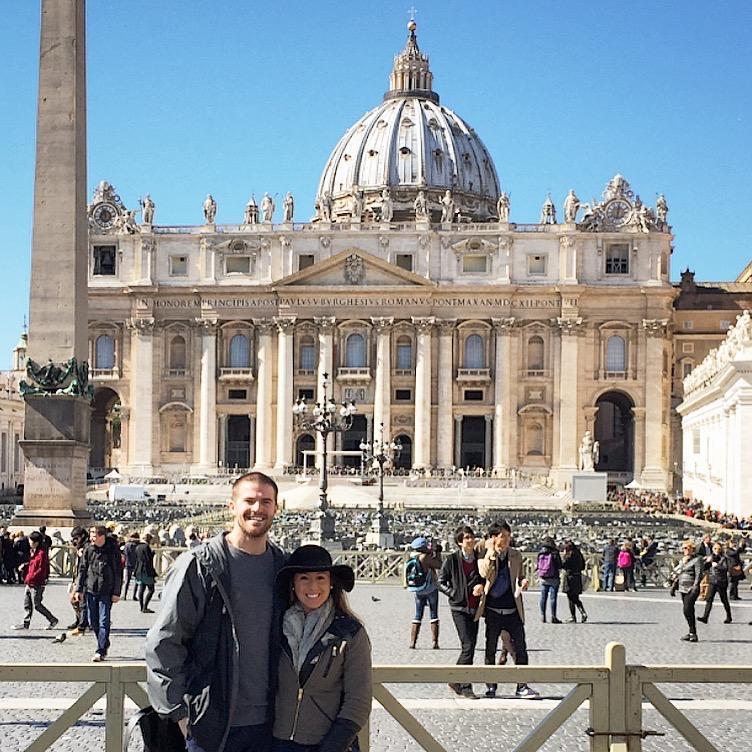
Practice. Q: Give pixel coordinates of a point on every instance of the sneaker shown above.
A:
(690, 638)
(149, 611)
(727, 620)
(20, 626)
(573, 620)
(490, 693)
(584, 617)
(468, 694)
(98, 658)
(526, 692)
(456, 688)
(554, 620)
(52, 624)
(703, 619)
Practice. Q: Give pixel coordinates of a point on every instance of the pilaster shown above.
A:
(325, 326)
(140, 457)
(382, 399)
(422, 442)
(444, 424)
(504, 413)
(264, 365)
(285, 327)
(207, 416)
(654, 474)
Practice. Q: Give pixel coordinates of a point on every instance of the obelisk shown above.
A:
(57, 423)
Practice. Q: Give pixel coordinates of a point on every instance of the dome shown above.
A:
(409, 143)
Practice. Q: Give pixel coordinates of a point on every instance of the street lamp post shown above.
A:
(325, 418)
(380, 452)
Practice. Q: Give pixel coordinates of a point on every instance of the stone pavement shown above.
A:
(649, 624)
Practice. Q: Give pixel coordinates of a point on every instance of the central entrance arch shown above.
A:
(614, 430)
(238, 452)
(473, 442)
(105, 429)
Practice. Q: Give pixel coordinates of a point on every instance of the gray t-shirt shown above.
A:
(252, 594)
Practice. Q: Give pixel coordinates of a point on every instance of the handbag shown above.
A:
(160, 734)
(704, 587)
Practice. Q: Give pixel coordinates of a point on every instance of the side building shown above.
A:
(477, 341)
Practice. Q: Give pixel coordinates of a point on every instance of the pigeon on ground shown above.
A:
(375, 599)
(60, 638)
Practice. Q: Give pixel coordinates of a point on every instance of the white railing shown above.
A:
(244, 374)
(473, 374)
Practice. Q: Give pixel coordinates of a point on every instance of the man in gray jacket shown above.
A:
(212, 652)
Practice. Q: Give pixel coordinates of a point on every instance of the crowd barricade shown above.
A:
(613, 693)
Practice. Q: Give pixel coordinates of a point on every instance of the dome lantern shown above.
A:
(411, 75)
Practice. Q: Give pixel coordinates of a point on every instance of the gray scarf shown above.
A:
(304, 630)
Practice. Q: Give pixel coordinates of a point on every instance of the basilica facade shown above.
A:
(476, 340)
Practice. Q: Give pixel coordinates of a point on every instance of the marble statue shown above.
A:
(661, 209)
(250, 215)
(288, 207)
(548, 212)
(589, 453)
(502, 207)
(387, 206)
(571, 206)
(147, 207)
(325, 207)
(127, 222)
(421, 206)
(267, 208)
(356, 203)
(447, 207)
(210, 209)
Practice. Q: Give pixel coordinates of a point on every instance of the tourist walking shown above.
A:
(22, 550)
(461, 582)
(129, 554)
(213, 650)
(9, 563)
(501, 600)
(717, 566)
(625, 564)
(144, 573)
(100, 580)
(323, 694)
(421, 577)
(736, 568)
(646, 558)
(79, 540)
(610, 554)
(573, 564)
(35, 579)
(686, 580)
(549, 567)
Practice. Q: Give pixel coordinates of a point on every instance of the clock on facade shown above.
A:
(618, 211)
(105, 216)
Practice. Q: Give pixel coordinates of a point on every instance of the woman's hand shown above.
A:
(478, 591)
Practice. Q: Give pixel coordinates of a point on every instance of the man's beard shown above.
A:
(256, 531)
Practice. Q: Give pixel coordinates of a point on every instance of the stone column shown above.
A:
(444, 424)
(569, 407)
(207, 415)
(325, 326)
(382, 399)
(285, 327)
(504, 379)
(422, 441)
(639, 441)
(57, 426)
(264, 367)
(653, 473)
(252, 440)
(488, 441)
(457, 440)
(142, 397)
(222, 420)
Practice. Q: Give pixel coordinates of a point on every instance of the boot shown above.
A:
(583, 613)
(572, 614)
(435, 634)
(414, 632)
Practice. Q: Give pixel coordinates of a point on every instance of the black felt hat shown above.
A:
(312, 558)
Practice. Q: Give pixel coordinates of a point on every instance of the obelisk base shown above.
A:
(56, 450)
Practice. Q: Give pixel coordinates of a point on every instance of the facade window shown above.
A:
(617, 258)
(535, 354)
(687, 366)
(178, 266)
(616, 354)
(237, 394)
(177, 353)
(355, 351)
(105, 260)
(104, 352)
(475, 352)
(307, 354)
(474, 264)
(534, 439)
(306, 394)
(240, 352)
(405, 261)
(688, 325)
(688, 347)
(403, 395)
(404, 353)
(305, 260)
(238, 265)
(473, 395)
(536, 265)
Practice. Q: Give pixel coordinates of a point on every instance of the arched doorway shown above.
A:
(105, 429)
(473, 446)
(405, 459)
(238, 451)
(305, 443)
(614, 431)
(351, 440)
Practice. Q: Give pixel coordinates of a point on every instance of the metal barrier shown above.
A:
(614, 693)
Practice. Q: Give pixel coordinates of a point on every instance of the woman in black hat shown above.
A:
(324, 679)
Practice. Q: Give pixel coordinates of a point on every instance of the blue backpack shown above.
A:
(415, 575)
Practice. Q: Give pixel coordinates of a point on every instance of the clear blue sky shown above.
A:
(237, 96)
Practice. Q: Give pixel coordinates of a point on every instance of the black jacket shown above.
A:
(610, 554)
(717, 567)
(101, 569)
(192, 649)
(143, 561)
(454, 584)
(573, 565)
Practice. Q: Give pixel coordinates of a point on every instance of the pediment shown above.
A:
(354, 268)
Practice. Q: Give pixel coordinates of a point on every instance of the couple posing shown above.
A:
(252, 651)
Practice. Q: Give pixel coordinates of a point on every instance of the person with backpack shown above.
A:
(35, 579)
(461, 582)
(548, 568)
(421, 577)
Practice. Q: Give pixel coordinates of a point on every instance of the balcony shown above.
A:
(402, 372)
(175, 373)
(473, 375)
(614, 375)
(236, 375)
(105, 374)
(306, 371)
(536, 373)
(354, 375)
